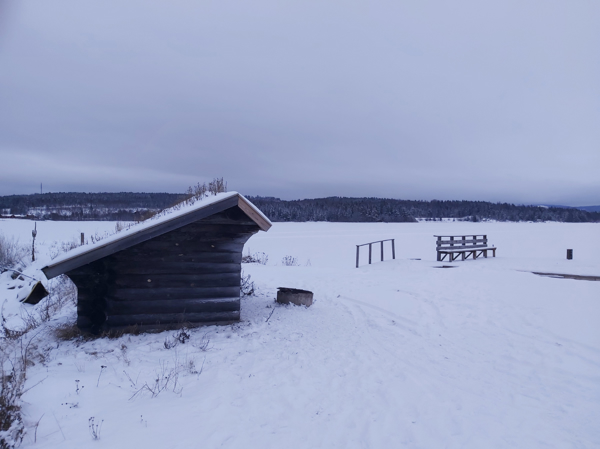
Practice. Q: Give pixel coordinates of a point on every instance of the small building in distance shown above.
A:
(178, 268)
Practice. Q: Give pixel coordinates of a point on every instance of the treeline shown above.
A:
(127, 206)
(391, 210)
(334, 209)
(123, 206)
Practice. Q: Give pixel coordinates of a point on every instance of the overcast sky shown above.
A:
(496, 101)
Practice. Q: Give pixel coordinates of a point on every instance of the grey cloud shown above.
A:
(419, 100)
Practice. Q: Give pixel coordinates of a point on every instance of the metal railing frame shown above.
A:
(371, 249)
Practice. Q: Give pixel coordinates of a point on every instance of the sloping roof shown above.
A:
(164, 222)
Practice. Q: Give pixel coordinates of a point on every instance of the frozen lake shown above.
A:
(394, 354)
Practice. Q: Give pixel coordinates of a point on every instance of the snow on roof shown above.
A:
(176, 212)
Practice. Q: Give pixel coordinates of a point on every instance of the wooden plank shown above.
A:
(83, 322)
(458, 249)
(142, 294)
(233, 215)
(457, 242)
(184, 257)
(222, 236)
(208, 227)
(168, 326)
(253, 214)
(177, 280)
(171, 266)
(187, 246)
(442, 236)
(172, 306)
(169, 318)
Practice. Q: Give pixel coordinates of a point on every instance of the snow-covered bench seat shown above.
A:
(464, 245)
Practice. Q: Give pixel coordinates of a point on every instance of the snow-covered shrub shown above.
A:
(261, 258)
(57, 248)
(181, 336)
(62, 292)
(200, 191)
(217, 185)
(11, 252)
(290, 261)
(94, 428)
(12, 382)
(166, 378)
(14, 359)
(120, 225)
(247, 286)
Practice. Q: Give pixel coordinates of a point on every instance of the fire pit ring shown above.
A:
(286, 295)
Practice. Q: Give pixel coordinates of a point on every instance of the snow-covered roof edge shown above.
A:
(220, 201)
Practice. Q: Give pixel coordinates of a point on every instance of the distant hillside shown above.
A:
(123, 206)
(127, 206)
(590, 208)
(586, 208)
(391, 210)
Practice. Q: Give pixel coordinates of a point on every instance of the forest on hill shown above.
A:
(127, 206)
(76, 206)
(392, 210)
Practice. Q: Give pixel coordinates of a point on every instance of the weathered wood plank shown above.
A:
(158, 281)
(137, 294)
(201, 229)
(83, 322)
(256, 217)
(202, 235)
(172, 306)
(459, 249)
(165, 327)
(460, 242)
(185, 256)
(171, 266)
(170, 318)
(187, 246)
(233, 215)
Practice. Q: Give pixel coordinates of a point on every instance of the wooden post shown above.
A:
(452, 241)
(393, 250)
(33, 234)
(82, 238)
(370, 253)
(382, 250)
(357, 250)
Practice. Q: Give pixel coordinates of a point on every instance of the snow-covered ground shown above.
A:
(394, 354)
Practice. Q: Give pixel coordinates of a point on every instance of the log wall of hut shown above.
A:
(189, 275)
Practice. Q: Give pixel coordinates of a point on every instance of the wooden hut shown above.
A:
(180, 268)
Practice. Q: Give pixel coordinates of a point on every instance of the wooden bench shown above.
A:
(464, 245)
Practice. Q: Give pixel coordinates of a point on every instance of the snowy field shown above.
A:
(394, 354)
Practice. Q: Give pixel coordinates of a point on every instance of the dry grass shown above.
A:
(12, 253)
(68, 331)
